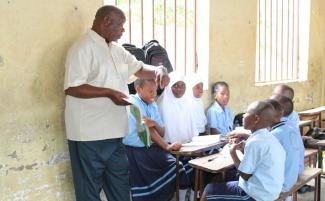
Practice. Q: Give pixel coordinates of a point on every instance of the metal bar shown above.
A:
(175, 33)
(298, 35)
(265, 41)
(259, 41)
(288, 41)
(293, 36)
(276, 41)
(165, 24)
(185, 28)
(195, 48)
(142, 26)
(271, 31)
(282, 41)
(153, 19)
(130, 26)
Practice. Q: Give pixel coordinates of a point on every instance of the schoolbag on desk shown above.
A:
(156, 55)
(316, 133)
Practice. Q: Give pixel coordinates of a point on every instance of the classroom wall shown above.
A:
(232, 55)
(35, 36)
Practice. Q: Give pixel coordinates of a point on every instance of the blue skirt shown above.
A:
(153, 174)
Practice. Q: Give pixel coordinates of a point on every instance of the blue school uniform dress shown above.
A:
(287, 138)
(293, 121)
(152, 170)
(220, 119)
(264, 158)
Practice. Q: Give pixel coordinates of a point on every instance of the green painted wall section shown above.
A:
(35, 36)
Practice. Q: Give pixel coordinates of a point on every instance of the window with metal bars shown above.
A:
(174, 23)
(282, 41)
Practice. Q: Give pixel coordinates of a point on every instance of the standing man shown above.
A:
(97, 71)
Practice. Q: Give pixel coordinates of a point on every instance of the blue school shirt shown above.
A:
(287, 138)
(264, 158)
(293, 121)
(220, 119)
(148, 110)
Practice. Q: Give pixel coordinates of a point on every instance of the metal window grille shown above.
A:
(172, 22)
(277, 49)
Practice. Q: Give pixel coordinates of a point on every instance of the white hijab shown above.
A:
(197, 106)
(176, 115)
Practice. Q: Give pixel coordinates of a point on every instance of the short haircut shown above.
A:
(108, 10)
(287, 105)
(216, 86)
(141, 81)
(276, 105)
(264, 110)
(286, 90)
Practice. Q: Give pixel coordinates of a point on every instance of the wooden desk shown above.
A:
(313, 114)
(191, 151)
(305, 123)
(215, 163)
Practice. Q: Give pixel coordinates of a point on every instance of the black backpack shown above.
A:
(156, 55)
(139, 55)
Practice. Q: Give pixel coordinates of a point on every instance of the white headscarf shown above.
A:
(197, 106)
(176, 115)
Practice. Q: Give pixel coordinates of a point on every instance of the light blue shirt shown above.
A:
(287, 138)
(220, 119)
(293, 121)
(148, 110)
(264, 158)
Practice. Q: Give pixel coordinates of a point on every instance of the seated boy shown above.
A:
(262, 166)
(288, 139)
(152, 170)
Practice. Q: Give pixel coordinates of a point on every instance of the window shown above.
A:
(174, 24)
(282, 41)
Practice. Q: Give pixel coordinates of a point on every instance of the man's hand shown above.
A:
(118, 97)
(162, 77)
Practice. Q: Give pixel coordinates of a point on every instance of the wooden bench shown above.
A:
(304, 178)
(311, 157)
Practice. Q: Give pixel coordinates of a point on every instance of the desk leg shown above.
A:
(320, 120)
(320, 157)
(201, 182)
(196, 183)
(177, 178)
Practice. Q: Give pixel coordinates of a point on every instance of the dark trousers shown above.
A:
(100, 165)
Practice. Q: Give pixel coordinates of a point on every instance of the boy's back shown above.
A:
(263, 158)
(287, 138)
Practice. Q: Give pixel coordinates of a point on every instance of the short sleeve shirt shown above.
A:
(293, 121)
(264, 158)
(94, 62)
(220, 119)
(287, 138)
(148, 110)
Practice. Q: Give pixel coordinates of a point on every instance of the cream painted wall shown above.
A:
(232, 55)
(35, 36)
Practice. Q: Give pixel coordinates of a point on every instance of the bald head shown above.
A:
(108, 23)
(263, 113)
(108, 11)
(284, 90)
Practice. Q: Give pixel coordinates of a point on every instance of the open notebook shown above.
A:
(204, 140)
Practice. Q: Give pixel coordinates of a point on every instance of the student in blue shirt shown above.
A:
(287, 105)
(287, 137)
(152, 170)
(219, 115)
(262, 166)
